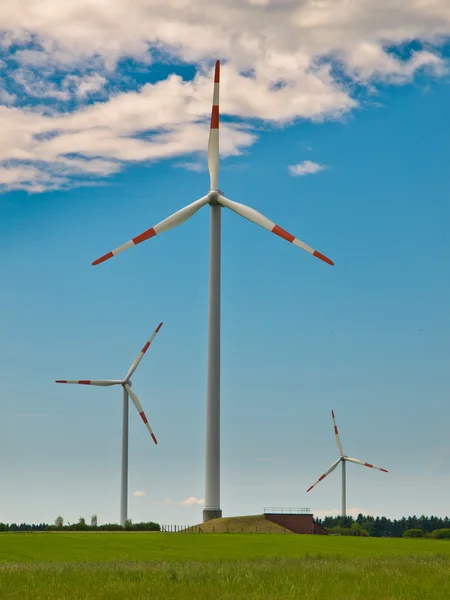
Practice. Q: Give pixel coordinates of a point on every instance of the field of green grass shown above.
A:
(163, 566)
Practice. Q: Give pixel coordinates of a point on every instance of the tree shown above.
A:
(94, 522)
(59, 522)
(128, 524)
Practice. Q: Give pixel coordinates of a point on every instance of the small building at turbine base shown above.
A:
(297, 520)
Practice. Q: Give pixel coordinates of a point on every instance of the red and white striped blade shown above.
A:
(140, 410)
(141, 354)
(213, 142)
(101, 382)
(330, 470)
(338, 439)
(365, 464)
(255, 217)
(177, 218)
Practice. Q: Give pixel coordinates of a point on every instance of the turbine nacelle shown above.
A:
(213, 196)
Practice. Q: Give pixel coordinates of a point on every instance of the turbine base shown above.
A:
(211, 513)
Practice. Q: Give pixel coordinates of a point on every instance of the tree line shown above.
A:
(382, 526)
(81, 525)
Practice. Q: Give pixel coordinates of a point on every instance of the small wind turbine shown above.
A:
(217, 201)
(343, 459)
(127, 392)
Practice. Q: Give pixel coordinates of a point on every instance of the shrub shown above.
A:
(413, 533)
(441, 534)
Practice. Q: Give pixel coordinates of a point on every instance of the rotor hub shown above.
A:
(213, 195)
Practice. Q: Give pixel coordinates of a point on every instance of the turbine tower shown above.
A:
(127, 393)
(343, 459)
(216, 199)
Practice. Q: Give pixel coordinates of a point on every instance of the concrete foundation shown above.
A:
(209, 514)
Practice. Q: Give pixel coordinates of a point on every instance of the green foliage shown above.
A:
(384, 527)
(355, 530)
(59, 522)
(413, 533)
(441, 534)
(83, 526)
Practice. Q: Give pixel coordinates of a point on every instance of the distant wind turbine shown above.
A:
(127, 392)
(217, 201)
(343, 459)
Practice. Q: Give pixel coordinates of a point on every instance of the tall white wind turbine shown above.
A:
(217, 201)
(127, 393)
(343, 459)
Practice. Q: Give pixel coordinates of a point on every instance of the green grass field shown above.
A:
(163, 566)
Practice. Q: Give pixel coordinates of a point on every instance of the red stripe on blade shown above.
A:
(323, 257)
(103, 258)
(368, 465)
(336, 430)
(323, 477)
(332, 413)
(144, 236)
(217, 72)
(282, 233)
(61, 381)
(143, 417)
(153, 437)
(85, 382)
(309, 489)
(215, 117)
(384, 470)
(158, 328)
(145, 348)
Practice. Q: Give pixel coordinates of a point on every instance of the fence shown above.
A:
(181, 529)
(280, 510)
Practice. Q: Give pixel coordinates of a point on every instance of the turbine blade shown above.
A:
(213, 142)
(255, 217)
(365, 464)
(140, 410)
(177, 218)
(141, 354)
(338, 439)
(100, 382)
(330, 470)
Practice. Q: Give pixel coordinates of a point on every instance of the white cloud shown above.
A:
(139, 494)
(306, 167)
(7, 98)
(89, 84)
(191, 501)
(279, 60)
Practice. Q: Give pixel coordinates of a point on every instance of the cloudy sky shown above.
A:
(334, 124)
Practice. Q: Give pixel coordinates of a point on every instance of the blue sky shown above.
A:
(368, 337)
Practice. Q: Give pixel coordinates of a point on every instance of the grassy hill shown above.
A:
(249, 524)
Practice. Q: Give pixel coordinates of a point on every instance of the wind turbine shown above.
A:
(127, 393)
(217, 201)
(343, 459)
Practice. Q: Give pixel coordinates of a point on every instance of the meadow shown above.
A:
(160, 566)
